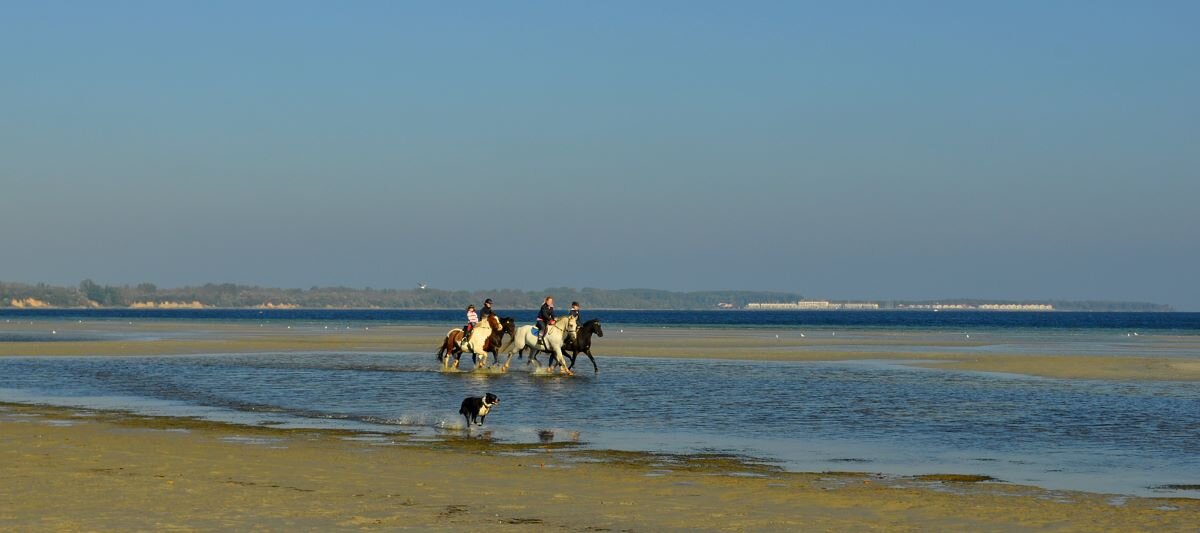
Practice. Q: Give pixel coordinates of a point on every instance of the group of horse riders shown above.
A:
(545, 317)
(484, 330)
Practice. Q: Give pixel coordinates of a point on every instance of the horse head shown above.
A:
(509, 324)
(595, 323)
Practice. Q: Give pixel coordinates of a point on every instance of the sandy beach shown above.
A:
(71, 470)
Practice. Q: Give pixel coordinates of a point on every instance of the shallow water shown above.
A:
(1186, 323)
(873, 416)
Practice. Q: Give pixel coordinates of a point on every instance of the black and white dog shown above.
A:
(476, 407)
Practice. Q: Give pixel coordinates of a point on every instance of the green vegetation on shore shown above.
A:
(92, 294)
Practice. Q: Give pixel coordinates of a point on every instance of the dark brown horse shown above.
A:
(582, 342)
(451, 344)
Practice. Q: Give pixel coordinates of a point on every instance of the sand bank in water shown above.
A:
(112, 472)
(167, 338)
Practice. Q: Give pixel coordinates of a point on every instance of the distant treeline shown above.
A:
(92, 294)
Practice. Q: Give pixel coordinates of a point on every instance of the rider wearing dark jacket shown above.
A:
(545, 317)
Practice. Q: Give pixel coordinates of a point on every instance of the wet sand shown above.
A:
(166, 337)
(66, 470)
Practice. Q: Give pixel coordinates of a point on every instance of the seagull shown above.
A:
(801, 334)
(421, 286)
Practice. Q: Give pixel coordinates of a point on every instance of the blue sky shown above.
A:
(843, 150)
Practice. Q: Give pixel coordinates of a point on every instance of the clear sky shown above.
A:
(904, 150)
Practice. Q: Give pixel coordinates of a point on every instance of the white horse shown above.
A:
(475, 343)
(553, 343)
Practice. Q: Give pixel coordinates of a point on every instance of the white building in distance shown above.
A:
(811, 305)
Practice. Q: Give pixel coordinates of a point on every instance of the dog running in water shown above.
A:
(477, 408)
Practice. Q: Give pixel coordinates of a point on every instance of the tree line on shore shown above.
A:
(228, 295)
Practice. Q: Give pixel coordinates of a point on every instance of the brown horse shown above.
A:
(452, 345)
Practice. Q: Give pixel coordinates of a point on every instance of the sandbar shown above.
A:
(70, 470)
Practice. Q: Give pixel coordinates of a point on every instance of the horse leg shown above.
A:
(562, 365)
(588, 353)
(506, 349)
(506, 361)
(474, 357)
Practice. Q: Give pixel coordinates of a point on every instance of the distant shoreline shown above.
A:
(676, 309)
(89, 294)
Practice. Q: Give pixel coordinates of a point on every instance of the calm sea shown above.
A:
(1184, 322)
(1125, 437)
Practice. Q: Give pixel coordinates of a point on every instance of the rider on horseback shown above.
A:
(487, 308)
(570, 335)
(472, 319)
(545, 318)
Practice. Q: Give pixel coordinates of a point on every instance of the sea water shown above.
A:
(1126, 437)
